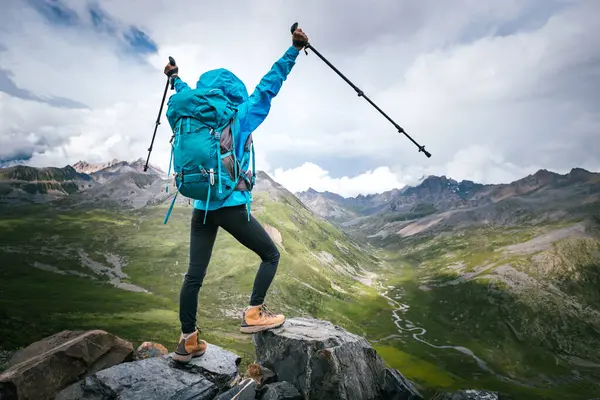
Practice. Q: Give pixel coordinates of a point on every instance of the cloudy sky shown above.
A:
(494, 89)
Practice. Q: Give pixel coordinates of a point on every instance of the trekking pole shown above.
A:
(360, 92)
(172, 62)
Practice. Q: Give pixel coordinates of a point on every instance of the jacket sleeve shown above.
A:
(180, 85)
(254, 110)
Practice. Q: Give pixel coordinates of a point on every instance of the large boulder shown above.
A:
(151, 378)
(44, 368)
(43, 346)
(323, 361)
(161, 378)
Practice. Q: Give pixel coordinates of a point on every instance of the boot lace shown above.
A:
(264, 310)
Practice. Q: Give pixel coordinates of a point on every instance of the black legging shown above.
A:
(202, 238)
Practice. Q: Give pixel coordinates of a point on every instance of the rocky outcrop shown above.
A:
(42, 369)
(161, 378)
(304, 359)
(152, 378)
(323, 361)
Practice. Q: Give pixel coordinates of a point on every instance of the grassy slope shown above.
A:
(472, 314)
(37, 303)
(521, 332)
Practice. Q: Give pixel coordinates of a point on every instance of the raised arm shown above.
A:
(254, 111)
(179, 85)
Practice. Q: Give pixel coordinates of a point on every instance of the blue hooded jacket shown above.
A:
(252, 110)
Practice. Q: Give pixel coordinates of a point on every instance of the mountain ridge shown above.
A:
(122, 182)
(574, 172)
(439, 194)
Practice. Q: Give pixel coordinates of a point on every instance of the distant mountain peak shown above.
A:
(545, 172)
(137, 165)
(85, 167)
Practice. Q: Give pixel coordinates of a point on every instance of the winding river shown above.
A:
(403, 325)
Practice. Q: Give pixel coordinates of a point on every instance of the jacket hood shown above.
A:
(225, 80)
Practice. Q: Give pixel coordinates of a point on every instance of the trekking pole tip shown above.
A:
(422, 149)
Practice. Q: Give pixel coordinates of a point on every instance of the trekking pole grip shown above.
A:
(298, 43)
(173, 71)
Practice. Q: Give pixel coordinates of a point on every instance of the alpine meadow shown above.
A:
(456, 284)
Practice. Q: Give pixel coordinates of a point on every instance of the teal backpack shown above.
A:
(203, 147)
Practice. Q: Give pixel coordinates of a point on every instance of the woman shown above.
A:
(232, 213)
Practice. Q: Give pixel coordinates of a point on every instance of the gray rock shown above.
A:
(281, 391)
(217, 364)
(44, 368)
(42, 346)
(397, 387)
(469, 394)
(5, 356)
(245, 390)
(152, 378)
(323, 361)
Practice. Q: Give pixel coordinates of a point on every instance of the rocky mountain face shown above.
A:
(447, 202)
(87, 168)
(20, 183)
(327, 205)
(116, 168)
(120, 182)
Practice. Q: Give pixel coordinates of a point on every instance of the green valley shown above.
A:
(82, 267)
(495, 286)
(453, 289)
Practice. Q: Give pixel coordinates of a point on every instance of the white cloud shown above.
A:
(492, 89)
(309, 175)
(475, 163)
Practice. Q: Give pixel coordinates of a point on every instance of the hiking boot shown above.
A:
(189, 347)
(259, 318)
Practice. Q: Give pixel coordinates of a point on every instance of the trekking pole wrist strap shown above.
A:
(299, 44)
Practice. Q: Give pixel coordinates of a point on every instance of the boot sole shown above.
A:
(186, 357)
(259, 328)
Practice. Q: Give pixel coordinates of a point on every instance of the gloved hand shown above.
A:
(299, 39)
(171, 70)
